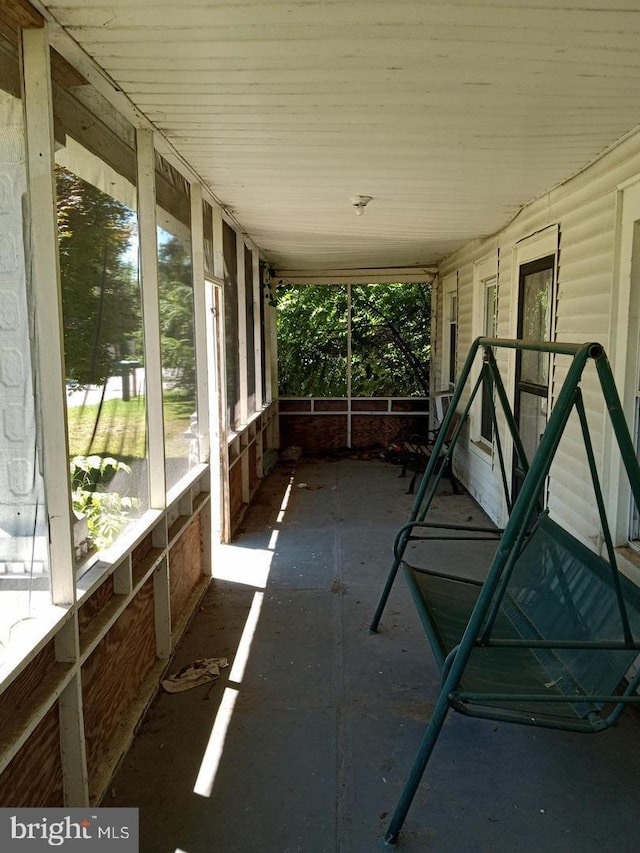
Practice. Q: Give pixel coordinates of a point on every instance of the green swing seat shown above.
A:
(549, 637)
(558, 632)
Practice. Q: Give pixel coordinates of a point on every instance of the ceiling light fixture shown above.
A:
(359, 203)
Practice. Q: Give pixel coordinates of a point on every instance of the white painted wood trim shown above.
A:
(242, 333)
(258, 343)
(162, 609)
(269, 318)
(73, 751)
(273, 372)
(624, 350)
(45, 277)
(200, 322)
(405, 275)
(449, 287)
(213, 379)
(484, 270)
(349, 356)
(151, 317)
(222, 450)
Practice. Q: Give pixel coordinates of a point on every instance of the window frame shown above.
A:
(448, 364)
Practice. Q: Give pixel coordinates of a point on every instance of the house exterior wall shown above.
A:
(582, 218)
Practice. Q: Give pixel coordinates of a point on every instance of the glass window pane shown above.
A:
(24, 562)
(207, 227)
(251, 358)
(536, 322)
(231, 325)
(177, 338)
(106, 409)
(532, 421)
(263, 331)
(489, 331)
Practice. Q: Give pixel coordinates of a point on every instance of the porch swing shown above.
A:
(549, 636)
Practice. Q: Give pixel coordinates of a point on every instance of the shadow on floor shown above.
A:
(305, 741)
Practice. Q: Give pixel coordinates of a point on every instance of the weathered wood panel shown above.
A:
(297, 405)
(330, 405)
(368, 405)
(254, 480)
(33, 779)
(16, 697)
(235, 494)
(316, 434)
(141, 551)
(326, 432)
(95, 603)
(185, 567)
(112, 676)
(378, 431)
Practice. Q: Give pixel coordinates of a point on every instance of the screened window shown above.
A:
(450, 331)
(232, 356)
(312, 341)
(490, 330)
(532, 368)
(106, 408)
(383, 339)
(249, 308)
(390, 340)
(207, 228)
(177, 337)
(263, 334)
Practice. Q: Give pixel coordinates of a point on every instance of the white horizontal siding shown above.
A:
(585, 211)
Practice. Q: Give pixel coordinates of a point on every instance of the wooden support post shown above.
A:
(72, 743)
(47, 297)
(151, 317)
(223, 451)
(258, 343)
(242, 331)
(200, 321)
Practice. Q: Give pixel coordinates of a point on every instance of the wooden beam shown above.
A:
(151, 318)
(384, 275)
(45, 272)
(20, 14)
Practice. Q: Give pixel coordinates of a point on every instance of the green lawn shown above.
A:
(121, 430)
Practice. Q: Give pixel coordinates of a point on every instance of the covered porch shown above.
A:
(305, 741)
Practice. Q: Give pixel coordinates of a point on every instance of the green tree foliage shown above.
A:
(391, 340)
(176, 313)
(312, 341)
(100, 293)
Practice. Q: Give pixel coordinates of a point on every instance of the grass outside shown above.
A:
(121, 429)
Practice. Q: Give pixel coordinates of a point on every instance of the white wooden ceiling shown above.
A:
(451, 114)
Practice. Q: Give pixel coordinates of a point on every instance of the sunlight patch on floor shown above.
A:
(213, 753)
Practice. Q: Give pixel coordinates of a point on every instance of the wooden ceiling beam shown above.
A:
(20, 13)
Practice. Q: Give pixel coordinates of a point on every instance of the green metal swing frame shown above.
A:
(547, 599)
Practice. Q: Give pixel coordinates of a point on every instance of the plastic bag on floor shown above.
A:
(194, 674)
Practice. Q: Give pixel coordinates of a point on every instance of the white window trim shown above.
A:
(624, 353)
(485, 273)
(449, 289)
(538, 245)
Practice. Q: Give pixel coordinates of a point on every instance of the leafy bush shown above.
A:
(107, 513)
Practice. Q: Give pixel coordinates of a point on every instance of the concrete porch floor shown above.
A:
(305, 741)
